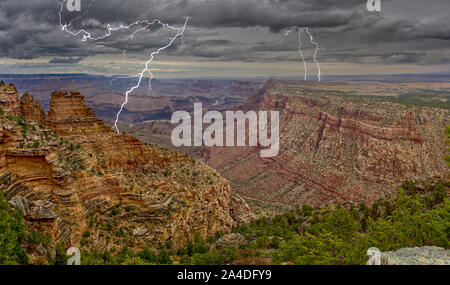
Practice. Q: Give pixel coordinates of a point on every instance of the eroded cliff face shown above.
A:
(334, 150)
(9, 99)
(31, 109)
(70, 174)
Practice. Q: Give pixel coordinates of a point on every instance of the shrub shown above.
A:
(60, 256)
(148, 255)
(215, 257)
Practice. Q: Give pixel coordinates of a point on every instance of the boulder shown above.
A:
(425, 255)
(140, 231)
(21, 204)
(239, 210)
(41, 210)
(233, 240)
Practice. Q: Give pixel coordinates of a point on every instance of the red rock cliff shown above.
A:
(89, 178)
(31, 109)
(336, 150)
(9, 99)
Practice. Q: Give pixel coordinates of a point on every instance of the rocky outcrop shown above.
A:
(425, 255)
(68, 115)
(140, 231)
(75, 175)
(335, 149)
(231, 240)
(20, 203)
(240, 211)
(9, 99)
(36, 210)
(31, 109)
(42, 210)
(65, 106)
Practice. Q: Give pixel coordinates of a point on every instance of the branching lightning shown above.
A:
(85, 36)
(306, 30)
(147, 69)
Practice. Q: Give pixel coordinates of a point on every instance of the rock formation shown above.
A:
(9, 99)
(71, 175)
(31, 109)
(335, 148)
(231, 240)
(425, 255)
(64, 106)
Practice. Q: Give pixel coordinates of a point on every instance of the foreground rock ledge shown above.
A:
(426, 255)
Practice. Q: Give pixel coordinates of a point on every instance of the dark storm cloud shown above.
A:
(67, 60)
(406, 31)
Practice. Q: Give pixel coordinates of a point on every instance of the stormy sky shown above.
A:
(227, 38)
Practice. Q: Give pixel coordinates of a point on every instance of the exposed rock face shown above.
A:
(426, 255)
(140, 231)
(37, 210)
(21, 204)
(68, 115)
(91, 179)
(31, 109)
(240, 211)
(232, 240)
(64, 106)
(42, 210)
(9, 99)
(333, 149)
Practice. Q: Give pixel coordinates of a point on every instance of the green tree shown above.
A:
(340, 223)
(12, 234)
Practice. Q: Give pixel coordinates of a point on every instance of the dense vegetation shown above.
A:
(420, 98)
(419, 215)
(16, 239)
(12, 233)
(426, 98)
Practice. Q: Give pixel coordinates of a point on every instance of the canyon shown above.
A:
(336, 147)
(82, 184)
(105, 94)
(339, 141)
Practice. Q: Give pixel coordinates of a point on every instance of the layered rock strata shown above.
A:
(79, 182)
(334, 148)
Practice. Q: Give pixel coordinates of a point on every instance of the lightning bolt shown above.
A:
(85, 36)
(147, 69)
(300, 30)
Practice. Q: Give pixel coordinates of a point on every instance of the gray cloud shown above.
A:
(406, 31)
(67, 60)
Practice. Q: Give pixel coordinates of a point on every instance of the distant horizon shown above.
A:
(441, 73)
(434, 74)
